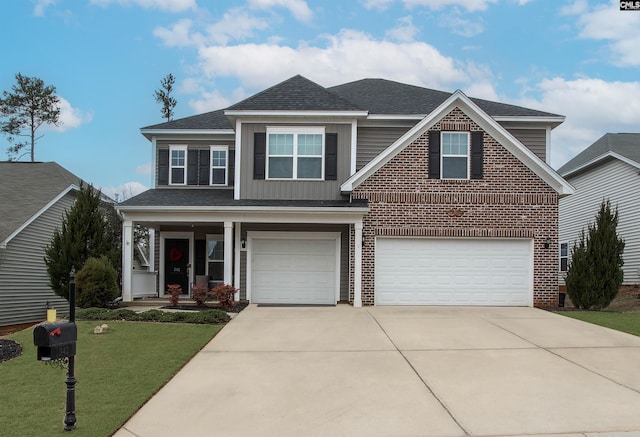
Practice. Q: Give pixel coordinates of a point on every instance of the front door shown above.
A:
(176, 263)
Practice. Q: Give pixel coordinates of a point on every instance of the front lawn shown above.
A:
(625, 322)
(116, 373)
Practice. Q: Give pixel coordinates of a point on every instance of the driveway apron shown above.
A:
(402, 371)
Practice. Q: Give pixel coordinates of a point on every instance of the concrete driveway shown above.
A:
(402, 371)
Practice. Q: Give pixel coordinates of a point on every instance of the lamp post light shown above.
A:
(70, 416)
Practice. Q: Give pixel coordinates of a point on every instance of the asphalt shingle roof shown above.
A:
(25, 188)
(168, 197)
(377, 96)
(625, 144)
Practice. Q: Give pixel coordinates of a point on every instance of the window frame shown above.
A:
(563, 257)
(178, 148)
(212, 167)
(449, 155)
(296, 131)
(218, 238)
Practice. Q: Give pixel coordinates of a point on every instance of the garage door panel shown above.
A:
(426, 271)
(293, 270)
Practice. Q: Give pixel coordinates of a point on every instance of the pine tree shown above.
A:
(595, 272)
(85, 232)
(163, 96)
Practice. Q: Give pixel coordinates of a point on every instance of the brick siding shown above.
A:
(509, 202)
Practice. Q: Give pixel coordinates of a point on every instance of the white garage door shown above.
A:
(297, 269)
(429, 271)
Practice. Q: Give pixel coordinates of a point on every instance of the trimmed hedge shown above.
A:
(211, 317)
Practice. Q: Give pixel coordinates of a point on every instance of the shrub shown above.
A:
(174, 291)
(200, 294)
(97, 283)
(151, 315)
(93, 313)
(225, 295)
(125, 314)
(215, 317)
(595, 271)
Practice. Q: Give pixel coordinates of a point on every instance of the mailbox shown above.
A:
(55, 340)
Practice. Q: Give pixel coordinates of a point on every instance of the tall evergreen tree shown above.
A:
(28, 106)
(595, 271)
(87, 231)
(163, 96)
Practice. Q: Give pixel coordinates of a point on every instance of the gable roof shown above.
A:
(28, 187)
(623, 146)
(473, 111)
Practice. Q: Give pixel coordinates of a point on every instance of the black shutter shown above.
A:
(232, 167)
(192, 167)
(204, 169)
(163, 167)
(476, 154)
(259, 154)
(331, 157)
(434, 154)
(201, 257)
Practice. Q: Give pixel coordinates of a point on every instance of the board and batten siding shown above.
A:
(24, 282)
(534, 139)
(251, 188)
(620, 183)
(373, 140)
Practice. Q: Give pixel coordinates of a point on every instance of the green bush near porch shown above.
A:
(212, 316)
(116, 372)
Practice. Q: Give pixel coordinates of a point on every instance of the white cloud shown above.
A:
(605, 22)
(469, 5)
(178, 35)
(124, 191)
(41, 5)
(592, 108)
(209, 101)
(298, 8)
(405, 31)
(461, 26)
(164, 5)
(349, 55)
(70, 117)
(236, 24)
(379, 5)
(145, 169)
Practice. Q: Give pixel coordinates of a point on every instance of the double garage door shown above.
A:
(430, 271)
(296, 268)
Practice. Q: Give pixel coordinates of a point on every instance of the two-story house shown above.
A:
(372, 192)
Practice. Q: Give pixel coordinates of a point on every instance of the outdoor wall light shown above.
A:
(547, 243)
(243, 244)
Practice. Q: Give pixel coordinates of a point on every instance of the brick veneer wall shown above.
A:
(509, 202)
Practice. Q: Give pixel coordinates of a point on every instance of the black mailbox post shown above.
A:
(55, 341)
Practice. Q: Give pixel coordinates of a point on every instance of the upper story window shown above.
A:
(177, 165)
(295, 153)
(564, 256)
(219, 165)
(455, 155)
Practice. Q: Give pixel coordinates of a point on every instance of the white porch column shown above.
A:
(236, 264)
(357, 268)
(127, 260)
(228, 252)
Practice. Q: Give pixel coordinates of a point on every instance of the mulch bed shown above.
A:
(236, 308)
(9, 349)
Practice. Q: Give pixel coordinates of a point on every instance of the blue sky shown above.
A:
(577, 58)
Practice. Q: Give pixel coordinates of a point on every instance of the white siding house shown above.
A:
(609, 169)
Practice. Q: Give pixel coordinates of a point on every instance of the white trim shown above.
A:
(237, 246)
(283, 235)
(357, 266)
(295, 131)
(154, 162)
(491, 126)
(547, 151)
(127, 260)
(214, 237)
(442, 155)
(177, 235)
(288, 113)
(396, 116)
(177, 147)
(3, 244)
(599, 158)
(226, 165)
(228, 253)
(560, 257)
(238, 152)
(354, 146)
(531, 118)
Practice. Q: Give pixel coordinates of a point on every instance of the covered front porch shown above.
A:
(270, 251)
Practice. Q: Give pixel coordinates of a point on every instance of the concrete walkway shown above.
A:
(402, 371)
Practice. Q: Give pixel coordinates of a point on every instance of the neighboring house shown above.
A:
(372, 192)
(609, 169)
(33, 199)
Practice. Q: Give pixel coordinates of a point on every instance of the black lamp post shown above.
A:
(70, 416)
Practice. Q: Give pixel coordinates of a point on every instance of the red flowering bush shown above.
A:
(200, 294)
(225, 295)
(174, 291)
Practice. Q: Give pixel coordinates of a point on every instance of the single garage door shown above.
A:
(297, 269)
(430, 271)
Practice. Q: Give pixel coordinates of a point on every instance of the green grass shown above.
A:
(625, 322)
(116, 373)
